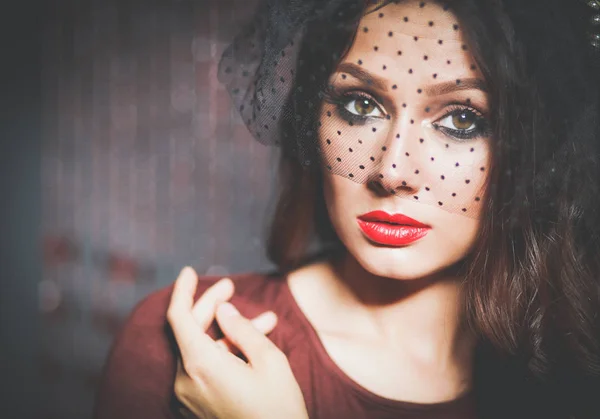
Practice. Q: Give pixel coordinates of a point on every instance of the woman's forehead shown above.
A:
(426, 41)
(429, 20)
(432, 21)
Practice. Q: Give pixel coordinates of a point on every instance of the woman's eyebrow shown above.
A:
(363, 75)
(453, 86)
(434, 90)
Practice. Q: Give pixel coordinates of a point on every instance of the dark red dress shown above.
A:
(138, 378)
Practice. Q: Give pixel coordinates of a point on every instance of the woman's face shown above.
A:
(405, 143)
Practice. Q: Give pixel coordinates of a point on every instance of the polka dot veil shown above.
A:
(380, 94)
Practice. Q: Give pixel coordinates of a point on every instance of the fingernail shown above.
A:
(187, 270)
(265, 320)
(228, 309)
(269, 317)
(224, 282)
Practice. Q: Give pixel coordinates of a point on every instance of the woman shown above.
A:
(446, 157)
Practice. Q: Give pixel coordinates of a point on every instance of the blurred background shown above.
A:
(145, 168)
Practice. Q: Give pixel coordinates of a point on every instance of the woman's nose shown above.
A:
(398, 167)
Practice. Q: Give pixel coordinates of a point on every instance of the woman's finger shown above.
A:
(264, 323)
(204, 309)
(182, 298)
(191, 339)
(243, 335)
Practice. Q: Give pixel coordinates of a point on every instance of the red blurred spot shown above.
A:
(58, 250)
(122, 268)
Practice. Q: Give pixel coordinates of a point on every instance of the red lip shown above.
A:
(384, 217)
(391, 229)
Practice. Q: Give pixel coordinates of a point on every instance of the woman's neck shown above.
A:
(417, 319)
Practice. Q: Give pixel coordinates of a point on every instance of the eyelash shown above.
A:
(481, 123)
(341, 100)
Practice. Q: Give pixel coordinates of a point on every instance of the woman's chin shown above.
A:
(402, 263)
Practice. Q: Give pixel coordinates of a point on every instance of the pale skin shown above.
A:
(390, 318)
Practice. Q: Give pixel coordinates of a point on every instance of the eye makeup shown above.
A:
(459, 115)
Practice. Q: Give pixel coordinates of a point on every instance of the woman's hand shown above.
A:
(214, 383)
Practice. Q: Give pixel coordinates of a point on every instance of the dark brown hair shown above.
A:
(532, 288)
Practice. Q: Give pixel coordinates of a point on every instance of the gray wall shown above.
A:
(145, 168)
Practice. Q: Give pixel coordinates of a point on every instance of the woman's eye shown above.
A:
(463, 124)
(363, 106)
(462, 120)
